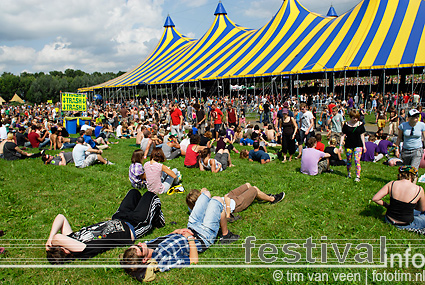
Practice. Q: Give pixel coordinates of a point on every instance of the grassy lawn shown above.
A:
(330, 205)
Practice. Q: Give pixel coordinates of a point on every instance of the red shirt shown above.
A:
(330, 106)
(191, 157)
(33, 138)
(175, 116)
(217, 116)
(320, 146)
(406, 99)
(231, 113)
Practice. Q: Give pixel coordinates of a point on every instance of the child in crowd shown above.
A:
(136, 172)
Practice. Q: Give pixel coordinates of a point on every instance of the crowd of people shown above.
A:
(206, 133)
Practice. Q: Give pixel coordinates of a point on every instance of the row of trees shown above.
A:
(40, 87)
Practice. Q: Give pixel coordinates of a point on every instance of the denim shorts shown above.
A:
(205, 218)
(417, 224)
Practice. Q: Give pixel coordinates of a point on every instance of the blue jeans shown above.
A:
(168, 181)
(417, 224)
(67, 145)
(205, 218)
(43, 144)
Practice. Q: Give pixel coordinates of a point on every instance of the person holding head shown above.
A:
(259, 155)
(411, 132)
(220, 163)
(171, 147)
(136, 172)
(61, 159)
(147, 144)
(407, 201)
(159, 178)
(136, 216)
(312, 162)
(180, 247)
(85, 156)
(353, 139)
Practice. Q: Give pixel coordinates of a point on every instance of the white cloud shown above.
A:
(16, 55)
(194, 3)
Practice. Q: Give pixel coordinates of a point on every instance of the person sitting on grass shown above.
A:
(147, 144)
(311, 159)
(259, 155)
(171, 147)
(136, 216)
(245, 140)
(191, 159)
(82, 159)
(335, 155)
(383, 146)
(225, 143)
(136, 172)
(180, 247)
(159, 178)
(220, 163)
(319, 145)
(98, 144)
(407, 201)
(12, 152)
(238, 199)
(61, 159)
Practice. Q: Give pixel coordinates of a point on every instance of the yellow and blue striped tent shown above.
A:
(376, 34)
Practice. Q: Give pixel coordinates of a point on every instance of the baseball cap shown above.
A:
(413, 113)
(284, 111)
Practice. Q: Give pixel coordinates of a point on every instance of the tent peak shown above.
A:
(220, 9)
(168, 22)
(332, 12)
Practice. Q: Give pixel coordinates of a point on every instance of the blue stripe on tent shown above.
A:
(253, 45)
(197, 67)
(197, 46)
(276, 32)
(325, 45)
(227, 30)
(298, 21)
(222, 52)
(270, 40)
(372, 32)
(348, 37)
(307, 47)
(297, 42)
(231, 56)
(388, 43)
(412, 45)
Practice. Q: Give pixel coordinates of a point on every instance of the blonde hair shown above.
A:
(192, 197)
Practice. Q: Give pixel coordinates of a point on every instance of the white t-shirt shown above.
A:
(232, 204)
(79, 154)
(305, 120)
(3, 132)
(85, 127)
(119, 134)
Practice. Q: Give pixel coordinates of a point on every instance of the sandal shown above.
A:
(176, 189)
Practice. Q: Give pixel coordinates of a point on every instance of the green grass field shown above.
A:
(330, 205)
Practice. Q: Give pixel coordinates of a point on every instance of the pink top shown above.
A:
(153, 176)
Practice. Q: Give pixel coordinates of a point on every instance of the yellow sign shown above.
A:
(74, 101)
(50, 101)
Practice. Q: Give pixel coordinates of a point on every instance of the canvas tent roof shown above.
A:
(375, 34)
(16, 98)
(2, 101)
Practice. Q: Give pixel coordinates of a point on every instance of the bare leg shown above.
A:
(300, 150)
(223, 219)
(101, 159)
(229, 162)
(263, 196)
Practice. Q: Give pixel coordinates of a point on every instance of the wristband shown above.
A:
(190, 238)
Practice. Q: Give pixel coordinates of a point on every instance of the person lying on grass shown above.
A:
(238, 199)
(181, 247)
(61, 159)
(136, 216)
(259, 155)
(220, 163)
(407, 201)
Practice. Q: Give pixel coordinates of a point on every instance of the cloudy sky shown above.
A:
(115, 35)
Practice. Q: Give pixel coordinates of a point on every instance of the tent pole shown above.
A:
(281, 90)
(413, 79)
(263, 86)
(254, 87)
(218, 88)
(333, 83)
(246, 89)
(398, 80)
(370, 81)
(290, 84)
(184, 93)
(222, 86)
(357, 84)
(200, 89)
(326, 83)
(298, 88)
(345, 82)
(383, 85)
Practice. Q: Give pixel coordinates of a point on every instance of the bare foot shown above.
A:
(231, 165)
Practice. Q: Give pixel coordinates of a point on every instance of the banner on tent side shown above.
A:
(74, 101)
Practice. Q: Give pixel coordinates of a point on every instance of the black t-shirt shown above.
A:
(353, 138)
(204, 141)
(20, 139)
(9, 151)
(101, 237)
(200, 115)
(266, 108)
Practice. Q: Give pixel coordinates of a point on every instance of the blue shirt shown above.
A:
(369, 155)
(97, 130)
(171, 252)
(413, 141)
(89, 141)
(258, 155)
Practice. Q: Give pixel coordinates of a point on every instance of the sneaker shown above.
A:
(179, 177)
(349, 175)
(357, 179)
(278, 197)
(42, 152)
(229, 238)
(109, 163)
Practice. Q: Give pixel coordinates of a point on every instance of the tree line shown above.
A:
(40, 87)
